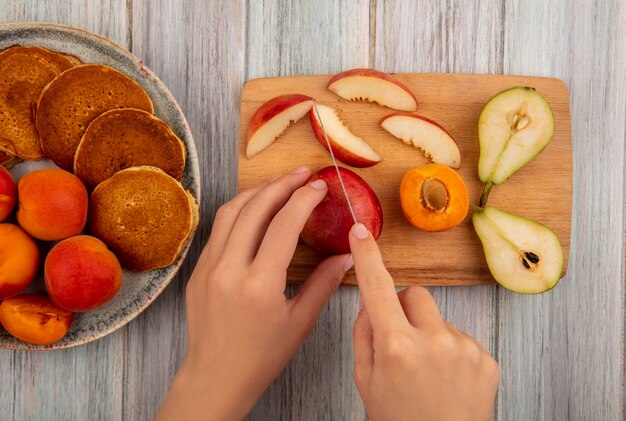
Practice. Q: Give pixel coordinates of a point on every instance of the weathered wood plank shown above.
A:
(460, 37)
(562, 352)
(196, 48)
(83, 382)
(287, 38)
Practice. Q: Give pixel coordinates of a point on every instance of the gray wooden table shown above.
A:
(561, 353)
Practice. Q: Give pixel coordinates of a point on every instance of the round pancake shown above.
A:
(125, 138)
(145, 216)
(74, 99)
(7, 160)
(25, 72)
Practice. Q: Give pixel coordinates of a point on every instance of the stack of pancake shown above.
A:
(94, 121)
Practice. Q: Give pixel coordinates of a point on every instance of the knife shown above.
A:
(332, 156)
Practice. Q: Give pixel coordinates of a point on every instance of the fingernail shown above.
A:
(359, 231)
(300, 170)
(347, 265)
(360, 301)
(318, 184)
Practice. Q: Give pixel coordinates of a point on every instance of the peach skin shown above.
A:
(82, 274)
(19, 259)
(52, 204)
(8, 193)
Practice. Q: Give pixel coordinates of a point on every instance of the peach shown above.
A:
(52, 204)
(82, 274)
(426, 135)
(328, 227)
(374, 86)
(35, 319)
(19, 260)
(347, 147)
(8, 193)
(272, 118)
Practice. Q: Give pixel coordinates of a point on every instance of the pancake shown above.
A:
(74, 99)
(25, 72)
(7, 160)
(125, 138)
(144, 216)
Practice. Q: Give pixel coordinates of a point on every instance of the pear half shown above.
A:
(523, 255)
(514, 127)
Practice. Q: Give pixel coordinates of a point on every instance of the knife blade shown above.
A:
(332, 156)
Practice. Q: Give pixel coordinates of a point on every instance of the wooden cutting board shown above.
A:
(542, 190)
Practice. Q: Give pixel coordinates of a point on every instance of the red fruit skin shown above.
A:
(328, 227)
(8, 193)
(342, 154)
(81, 273)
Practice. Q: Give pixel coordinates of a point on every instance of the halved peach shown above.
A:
(35, 319)
(272, 118)
(373, 86)
(433, 197)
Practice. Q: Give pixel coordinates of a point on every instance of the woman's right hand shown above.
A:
(409, 364)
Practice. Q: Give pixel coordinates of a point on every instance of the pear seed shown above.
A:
(523, 122)
(532, 257)
(525, 263)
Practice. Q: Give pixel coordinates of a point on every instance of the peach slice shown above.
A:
(272, 118)
(347, 147)
(425, 134)
(373, 86)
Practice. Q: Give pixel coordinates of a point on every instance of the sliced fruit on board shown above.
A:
(523, 255)
(328, 227)
(347, 147)
(424, 134)
(272, 118)
(514, 126)
(373, 86)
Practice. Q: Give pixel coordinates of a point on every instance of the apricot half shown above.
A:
(35, 319)
(434, 197)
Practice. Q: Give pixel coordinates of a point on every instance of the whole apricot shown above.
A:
(35, 319)
(19, 260)
(8, 193)
(433, 197)
(81, 273)
(52, 204)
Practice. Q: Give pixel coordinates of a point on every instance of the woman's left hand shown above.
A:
(242, 328)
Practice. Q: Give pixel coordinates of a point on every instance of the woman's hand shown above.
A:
(409, 364)
(242, 328)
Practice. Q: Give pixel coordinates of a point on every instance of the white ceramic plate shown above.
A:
(138, 289)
